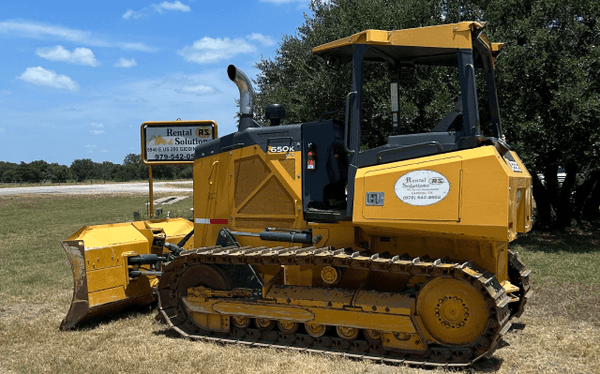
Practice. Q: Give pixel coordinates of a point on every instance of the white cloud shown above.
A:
(172, 6)
(43, 77)
(38, 30)
(136, 47)
(125, 63)
(208, 50)
(199, 90)
(158, 8)
(262, 39)
(79, 56)
(130, 14)
(33, 30)
(134, 15)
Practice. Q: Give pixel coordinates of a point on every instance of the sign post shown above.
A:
(172, 143)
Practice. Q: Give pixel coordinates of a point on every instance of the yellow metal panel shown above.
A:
(371, 301)
(105, 278)
(403, 341)
(106, 296)
(325, 316)
(455, 36)
(212, 197)
(311, 297)
(250, 189)
(390, 179)
(360, 319)
(98, 258)
(211, 322)
(339, 234)
(111, 234)
(522, 195)
(252, 171)
(270, 311)
(483, 197)
(299, 275)
(269, 198)
(173, 227)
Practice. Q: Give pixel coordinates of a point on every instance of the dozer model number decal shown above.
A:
(514, 166)
(281, 149)
(422, 187)
(375, 198)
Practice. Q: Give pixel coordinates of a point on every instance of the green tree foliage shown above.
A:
(82, 169)
(132, 159)
(547, 76)
(85, 169)
(308, 88)
(10, 173)
(549, 84)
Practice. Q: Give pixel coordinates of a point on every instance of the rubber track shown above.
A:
(434, 356)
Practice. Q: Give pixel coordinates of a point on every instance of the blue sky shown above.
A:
(78, 78)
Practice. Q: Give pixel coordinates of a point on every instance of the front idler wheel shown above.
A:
(453, 311)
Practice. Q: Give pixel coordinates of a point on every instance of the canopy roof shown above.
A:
(423, 45)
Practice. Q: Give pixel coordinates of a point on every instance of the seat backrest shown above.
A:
(452, 120)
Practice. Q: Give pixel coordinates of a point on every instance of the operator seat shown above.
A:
(452, 120)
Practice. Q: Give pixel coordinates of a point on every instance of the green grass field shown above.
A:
(558, 333)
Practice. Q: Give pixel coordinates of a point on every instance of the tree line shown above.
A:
(80, 170)
(547, 76)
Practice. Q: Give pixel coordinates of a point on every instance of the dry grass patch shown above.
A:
(134, 342)
(549, 338)
(549, 345)
(559, 332)
(576, 302)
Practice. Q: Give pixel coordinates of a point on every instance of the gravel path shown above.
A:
(96, 188)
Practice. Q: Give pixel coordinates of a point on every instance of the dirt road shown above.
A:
(98, 188)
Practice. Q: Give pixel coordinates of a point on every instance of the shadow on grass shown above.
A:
(168, 332)
(572, 241)
(487, 365)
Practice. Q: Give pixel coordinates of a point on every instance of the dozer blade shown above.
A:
(99, 257)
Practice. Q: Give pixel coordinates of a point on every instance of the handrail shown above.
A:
(346, 122)
(232, 147)
(408, 148)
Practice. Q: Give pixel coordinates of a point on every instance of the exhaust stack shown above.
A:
(246, 97)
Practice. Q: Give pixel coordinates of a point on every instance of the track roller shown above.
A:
(287, 327)
(348, 333)
(315, 330)
(264, 324)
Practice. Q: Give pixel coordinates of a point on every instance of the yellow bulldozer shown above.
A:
(303, 239)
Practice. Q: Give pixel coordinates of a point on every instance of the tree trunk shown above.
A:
(564, 206)
(583, 195)
(591, 209)
(542, 202)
